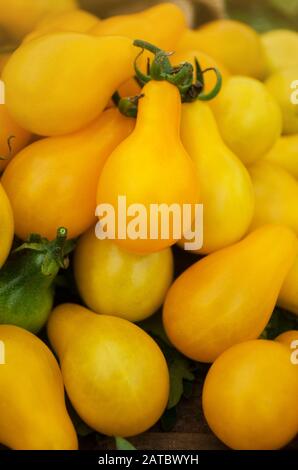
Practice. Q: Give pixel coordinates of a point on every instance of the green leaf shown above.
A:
(123, 444)
(179, 370)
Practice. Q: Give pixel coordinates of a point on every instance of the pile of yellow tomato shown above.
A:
(65, 148)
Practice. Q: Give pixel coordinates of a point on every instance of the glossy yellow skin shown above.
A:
(115, 375)
(33, 415)
(288, 296)
(229, 296)
(6, 226)
(53, 182)
(226, 189)
(19, 17)
(151, 165)
(61, 82)
(76, 21)
(287, 338)
(234, 44)
(8, 128)
(248, 118)
(250, 396)
(276, 194)
(284, 153)
(281, 49)
(114, 282)
(162, 25)
(279, 85)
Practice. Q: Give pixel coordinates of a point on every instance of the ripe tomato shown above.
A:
(19, 17)
(112, 281)
(115, 374)
(250, 396)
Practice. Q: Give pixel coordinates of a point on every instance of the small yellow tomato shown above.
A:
(276, 196)
(61, 82)
(250, 396)
(280, 48)
(6, 226)
(19, 17)
(248, 117)
(233, 43)
(115, 374)
(75, 21)
(284, 153)
(114, 282)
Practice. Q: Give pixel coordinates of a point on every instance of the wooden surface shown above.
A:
(191, 432)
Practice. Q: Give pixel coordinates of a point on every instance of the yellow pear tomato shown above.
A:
(112, 281)
(250, 396)
(19, 17)
(248, 118)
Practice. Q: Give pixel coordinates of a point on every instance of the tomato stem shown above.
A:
(189, 82)
(54, 253)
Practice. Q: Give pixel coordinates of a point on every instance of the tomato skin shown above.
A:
(33, 414)
(76, 21)
(225, 187)
(61, 82)
(52, 183)
(284, 153)
(19, 17)
(6, 226)
(248, 118)
(228, 296)
(114, 282)
(110, 369)
(169, 18)
(172, 24)
(250, 396)
(142, 163)
(240, 47)
(276, 195)
(8, 128)
(281, 49)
